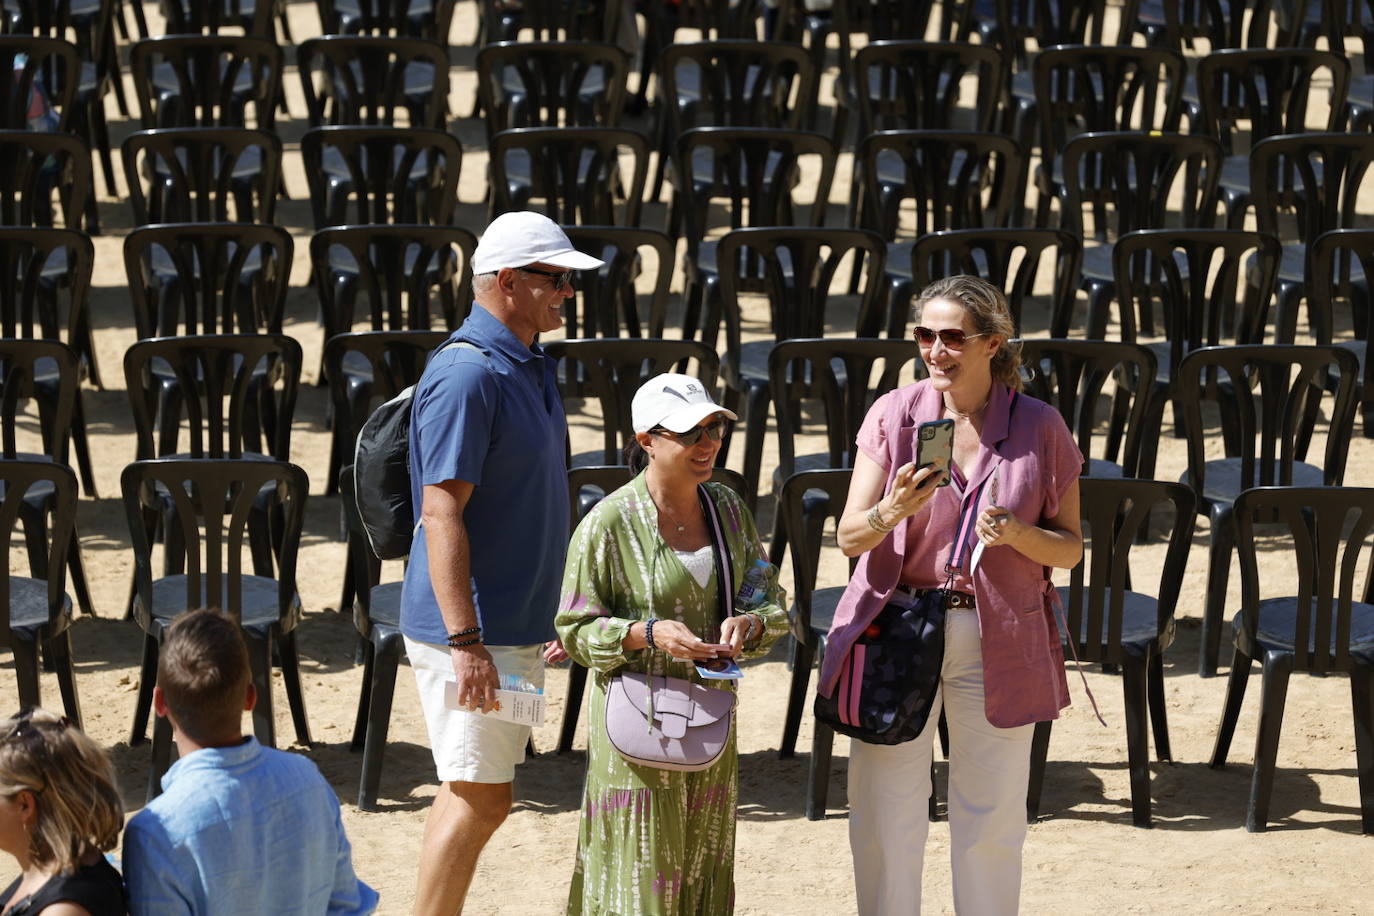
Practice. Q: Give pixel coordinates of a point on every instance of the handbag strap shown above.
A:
(725, 570)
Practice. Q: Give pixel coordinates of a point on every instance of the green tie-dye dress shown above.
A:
(651, 842)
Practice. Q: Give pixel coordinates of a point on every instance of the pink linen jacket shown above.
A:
(1031, 452)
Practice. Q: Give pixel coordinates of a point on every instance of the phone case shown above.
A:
(935, 440)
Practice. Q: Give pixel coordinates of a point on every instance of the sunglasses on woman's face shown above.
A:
(716, 431)
(952, 338)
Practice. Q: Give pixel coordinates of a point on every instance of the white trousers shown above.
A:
(889, 792)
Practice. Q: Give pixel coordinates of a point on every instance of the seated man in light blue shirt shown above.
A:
(239, 828)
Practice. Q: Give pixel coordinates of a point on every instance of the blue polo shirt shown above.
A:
(493, 418)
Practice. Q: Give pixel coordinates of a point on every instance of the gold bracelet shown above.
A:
(875, 521)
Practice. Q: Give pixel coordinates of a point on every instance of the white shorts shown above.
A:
(471, 746)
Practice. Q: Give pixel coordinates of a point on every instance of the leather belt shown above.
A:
(951, 599)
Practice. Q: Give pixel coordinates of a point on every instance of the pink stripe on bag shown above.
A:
(858, 665)
(842, 691)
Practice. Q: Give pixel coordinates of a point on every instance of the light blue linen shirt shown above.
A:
(242, 829)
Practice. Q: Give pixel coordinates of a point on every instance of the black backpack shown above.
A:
(381, 474)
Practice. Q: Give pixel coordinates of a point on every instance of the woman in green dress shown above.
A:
(640, 595)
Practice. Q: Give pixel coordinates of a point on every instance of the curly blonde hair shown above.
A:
(986, 306)
(72, 781)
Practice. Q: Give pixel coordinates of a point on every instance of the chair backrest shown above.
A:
(805, 502)
(1137, 175)
(1089, 88)
(1092, 382)
(606, 304)
(202, 174)
(1180, 24)
(1195, 274)
(37, 73)
(395, 359)
(387, 17)
(1017, 21)
(1329, 530)
(30, 260)
(211, 17)
(612, 370)
(23, 362)
(604, 478)
(1274, 90)
(208, 278)
(917, 85)
(394, 175)
(717, 19)
(73, 20)
(404, 275)
(45, 179)
(795, 268)
(213, 499)
(348, 79)
(1334, 257)
(207, 81)
(736, 82)
(954, 179)
(17, 478)
(1269, 397)
(756, 172)
(1320, 175)
(1011, 260)
(552, 20)
(551, 84)
(846, 375)
(236, 393)
(1117, 514)
(578, 172)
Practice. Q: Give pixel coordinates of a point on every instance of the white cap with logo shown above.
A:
(673, 401)
(523, 238)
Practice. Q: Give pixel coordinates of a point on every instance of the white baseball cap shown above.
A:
(673, 401)
(523, 238)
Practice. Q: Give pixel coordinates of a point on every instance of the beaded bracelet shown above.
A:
(460, 639)
(649, 632)
(464, 643)
(875, 521)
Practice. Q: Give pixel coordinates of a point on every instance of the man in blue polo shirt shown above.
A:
(488, 475)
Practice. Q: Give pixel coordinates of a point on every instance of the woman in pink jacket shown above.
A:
(986, 544)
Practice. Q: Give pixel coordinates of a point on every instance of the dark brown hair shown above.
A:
(203, 672)
(986, 306)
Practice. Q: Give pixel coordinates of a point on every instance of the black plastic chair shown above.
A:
(38, 608)
(30, 66)
(213, 500)
(1342, 267)
(1125, 181)
(607, 303)
(611, 371)
(46, 279)
(1113, 623)
(406, 18)
(45, 179)
(805, 502)
(551, 84)
(384, 175)
(1315, 621)
(355, 80)
(195, 17)
(1010, 259)
(550, 20)
(917, 85)
(1319, 176)
(577, 172)
(1270, 396)
(1182, 24)
(202, 174)
(1073, 376)
(207, 81)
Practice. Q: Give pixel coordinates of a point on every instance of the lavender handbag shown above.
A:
(671, 723)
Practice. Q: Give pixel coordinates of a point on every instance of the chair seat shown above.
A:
(1235, 174)
(259, 601)
(385, 607)
(1278, 620)
(163, 267)
(168, 88)
(1222, 480)
(814, 462)
(753, 360)
(1139, 623)
(336, 166)
(29, 607)
(1101, 467)
(824, 601)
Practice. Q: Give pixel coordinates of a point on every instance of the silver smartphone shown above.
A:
(935, 441)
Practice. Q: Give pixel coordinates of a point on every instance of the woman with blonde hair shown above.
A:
(59, 812)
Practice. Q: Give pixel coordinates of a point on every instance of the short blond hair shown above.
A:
(987, 307)
(73, 786)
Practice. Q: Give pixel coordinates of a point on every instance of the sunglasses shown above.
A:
(952, 338)
(716, 431)
(562, 279)
(26, 731)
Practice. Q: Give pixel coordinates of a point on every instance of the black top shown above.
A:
(98, 888)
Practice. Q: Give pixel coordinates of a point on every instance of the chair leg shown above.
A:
(59, 650)
(147, 677)
(1159, 713)
(26, 670)
(82, 446)
(162, 756)
(1040, 752)
(1230, 713)
(369, 654)
(822, 742)
(1276, 668)
(577, 686)
(76, 566)
(382, 689)
(802, 658)
(260, 665)
(756, 401)
(291, 680)
(1133, 680)
(1218, 572)
(1362, 703)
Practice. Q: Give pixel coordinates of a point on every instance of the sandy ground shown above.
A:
(1082, 857)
